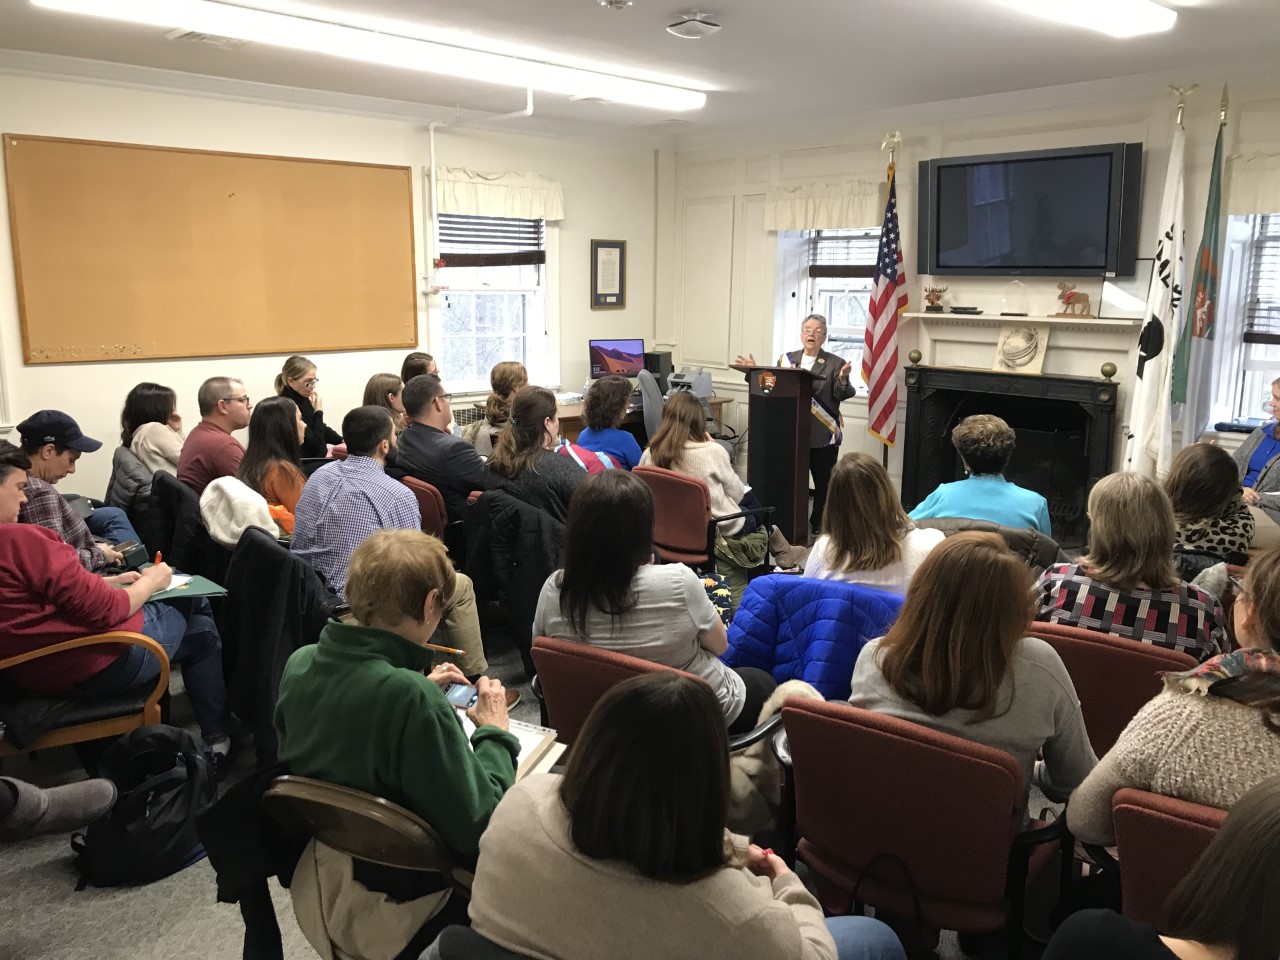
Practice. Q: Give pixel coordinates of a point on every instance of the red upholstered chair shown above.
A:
(874, 828)
(684, 531)
(572, 676)
(1158, 839)
(1114, 677)
(430, 504)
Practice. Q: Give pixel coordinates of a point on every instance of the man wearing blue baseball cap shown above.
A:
(54, 442)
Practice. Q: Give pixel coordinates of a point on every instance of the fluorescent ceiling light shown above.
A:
(1116, 18)
(352, 43)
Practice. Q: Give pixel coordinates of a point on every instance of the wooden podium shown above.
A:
(779, 426)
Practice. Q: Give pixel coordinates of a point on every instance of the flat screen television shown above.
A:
(625, 357)
(1072, 212)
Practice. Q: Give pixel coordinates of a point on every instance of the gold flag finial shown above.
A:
(891, 142)
(1183, 93)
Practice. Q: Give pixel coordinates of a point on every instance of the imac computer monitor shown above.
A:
(625, 357)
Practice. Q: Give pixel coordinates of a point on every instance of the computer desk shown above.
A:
(572, 424)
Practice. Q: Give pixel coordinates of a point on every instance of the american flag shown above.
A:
(880, 355)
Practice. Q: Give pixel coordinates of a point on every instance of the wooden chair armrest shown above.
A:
(123, 637)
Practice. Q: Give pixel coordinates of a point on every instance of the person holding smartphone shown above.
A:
(364, 708)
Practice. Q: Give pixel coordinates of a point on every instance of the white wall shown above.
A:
(609, 194)
(723, 287)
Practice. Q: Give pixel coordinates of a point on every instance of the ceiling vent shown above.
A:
(209, 39)
(615, 4)
(693, 26)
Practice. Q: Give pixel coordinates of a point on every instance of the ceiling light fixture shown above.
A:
(353, 43)
(615, 4)
(693, 26)
(1116, 18)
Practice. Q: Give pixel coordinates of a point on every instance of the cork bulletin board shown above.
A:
(126, 252)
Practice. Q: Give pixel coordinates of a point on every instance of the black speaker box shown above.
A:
(658, 362)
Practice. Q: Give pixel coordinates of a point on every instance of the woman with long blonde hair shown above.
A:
(298, 381)
(1127, 585)
(866, 536)
(959, 660)
(385, 390)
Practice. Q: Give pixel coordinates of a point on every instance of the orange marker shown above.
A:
(159, 557)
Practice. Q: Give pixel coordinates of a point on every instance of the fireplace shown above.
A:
(1065, 428)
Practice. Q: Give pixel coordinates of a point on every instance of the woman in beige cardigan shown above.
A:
(627, 856)
(1211, 734)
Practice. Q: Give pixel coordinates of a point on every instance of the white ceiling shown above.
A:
(804, 61)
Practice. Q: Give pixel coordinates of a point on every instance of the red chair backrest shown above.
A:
(1113, 676)
(1158, 839)
(573, 676)
(681, 512)
(866, 786)
(430, 505)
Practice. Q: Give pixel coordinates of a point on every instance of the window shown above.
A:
(1248, 318)
(495, 307)
(842, 266)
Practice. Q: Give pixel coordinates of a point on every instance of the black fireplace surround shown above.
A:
(1065, 428)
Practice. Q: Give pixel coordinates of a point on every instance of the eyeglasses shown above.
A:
(1237, 585)
(244, 400)
(310, 382)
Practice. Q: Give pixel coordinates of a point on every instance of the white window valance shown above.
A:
(824, 206)
(1253, 183)
(479, 193)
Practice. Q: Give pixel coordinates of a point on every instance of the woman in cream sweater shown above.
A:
(633, 838)
(151, 427)
(1211, 733)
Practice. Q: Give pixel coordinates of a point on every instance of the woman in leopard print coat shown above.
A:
(1204, 486)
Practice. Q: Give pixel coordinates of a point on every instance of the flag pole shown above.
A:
(891, 142)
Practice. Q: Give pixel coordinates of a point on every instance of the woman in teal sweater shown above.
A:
(360, 709)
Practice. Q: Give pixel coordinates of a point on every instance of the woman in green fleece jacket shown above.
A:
(360, 709)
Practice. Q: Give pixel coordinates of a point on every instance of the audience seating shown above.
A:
(1034, 549)
(572, 676)
(310, 465)
(874, 828)
(79, 720)
(463, 943)
(797, 628)
(276, 602)
(362, 826)
(180, 531)
(1158, 839)
(1114, 677)
(435, 518)
(684, 531)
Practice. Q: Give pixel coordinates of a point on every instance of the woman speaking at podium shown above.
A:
(827, 430)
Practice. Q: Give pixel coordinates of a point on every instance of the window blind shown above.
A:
(843, 253)
(491, 241)
(1262, 299)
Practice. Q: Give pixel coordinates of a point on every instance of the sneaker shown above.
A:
(512, 695)
(221, 762)
(56, 809)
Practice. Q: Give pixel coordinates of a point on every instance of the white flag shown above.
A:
(1150, 447)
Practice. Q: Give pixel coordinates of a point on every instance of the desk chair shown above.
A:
(1114, 677)
(650, 402)
(684, 531)
(873, 828)
(573, 676)
(1158, 839)
(81, 720)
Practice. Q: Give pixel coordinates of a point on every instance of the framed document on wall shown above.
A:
(608, 274)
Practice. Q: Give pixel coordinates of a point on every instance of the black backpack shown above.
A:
(164, 783)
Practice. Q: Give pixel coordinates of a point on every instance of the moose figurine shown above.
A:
(1074, 303)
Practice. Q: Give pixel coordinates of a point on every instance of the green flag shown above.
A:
(1193, 359)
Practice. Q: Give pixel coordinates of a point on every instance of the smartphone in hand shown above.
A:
(462, 695)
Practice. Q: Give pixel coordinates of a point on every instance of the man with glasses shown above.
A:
(210, 451)
(430, 452)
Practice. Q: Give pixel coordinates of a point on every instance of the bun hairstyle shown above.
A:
(295, 368)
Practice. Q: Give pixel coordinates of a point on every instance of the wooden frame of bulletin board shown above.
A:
(127, 252)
